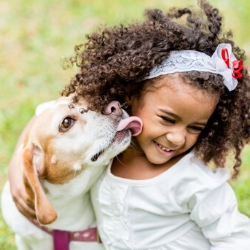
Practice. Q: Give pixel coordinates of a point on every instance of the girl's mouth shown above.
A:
(163, 148)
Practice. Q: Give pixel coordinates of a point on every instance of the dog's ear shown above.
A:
(33, 162)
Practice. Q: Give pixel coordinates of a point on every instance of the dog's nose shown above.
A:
(113, 108)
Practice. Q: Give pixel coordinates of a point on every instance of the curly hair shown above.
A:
(114, 62)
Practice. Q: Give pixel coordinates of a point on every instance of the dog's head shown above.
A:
(65, 139)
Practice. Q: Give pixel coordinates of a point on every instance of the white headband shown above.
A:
(222, 62)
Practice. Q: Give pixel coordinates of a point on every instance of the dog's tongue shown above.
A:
(133, 123)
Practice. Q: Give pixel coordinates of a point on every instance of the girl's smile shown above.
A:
(173, 113)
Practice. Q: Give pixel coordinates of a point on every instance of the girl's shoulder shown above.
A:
(195, 179)
(193, 174)
(192, 181)
(200, 170)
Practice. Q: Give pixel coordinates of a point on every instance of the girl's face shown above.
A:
(173, 113)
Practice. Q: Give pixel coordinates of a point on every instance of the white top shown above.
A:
(186, 207)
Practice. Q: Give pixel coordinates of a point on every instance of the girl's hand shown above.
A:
(16, 182)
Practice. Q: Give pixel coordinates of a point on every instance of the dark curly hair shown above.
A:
(114, 62)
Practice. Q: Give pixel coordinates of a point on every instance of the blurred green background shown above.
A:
(36, 35)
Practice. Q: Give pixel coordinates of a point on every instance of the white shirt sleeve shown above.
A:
(221, 223)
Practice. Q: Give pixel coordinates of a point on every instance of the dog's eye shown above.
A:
(66, 124)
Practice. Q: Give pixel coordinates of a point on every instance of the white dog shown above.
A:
(64, 152)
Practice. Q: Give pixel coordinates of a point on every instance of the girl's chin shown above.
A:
(158, 159)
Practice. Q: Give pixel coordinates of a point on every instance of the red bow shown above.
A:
(237, 65)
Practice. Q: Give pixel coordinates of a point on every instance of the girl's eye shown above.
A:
(196, 129)
(66, 124)
(167, 119)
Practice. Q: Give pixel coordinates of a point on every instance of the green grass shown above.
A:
(35, 35)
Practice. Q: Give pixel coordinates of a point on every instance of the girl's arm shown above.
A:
(16, 180)
(221, 223)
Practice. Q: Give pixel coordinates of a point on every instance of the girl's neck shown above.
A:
(132, 164)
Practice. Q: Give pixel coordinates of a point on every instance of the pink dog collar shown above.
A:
(62, 238)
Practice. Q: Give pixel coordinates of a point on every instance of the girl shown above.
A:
(187, 83)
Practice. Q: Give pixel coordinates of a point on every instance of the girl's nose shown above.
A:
(176, 138)
(113, 108)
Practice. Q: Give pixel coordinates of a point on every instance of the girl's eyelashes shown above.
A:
(195, 129)
(167, 119)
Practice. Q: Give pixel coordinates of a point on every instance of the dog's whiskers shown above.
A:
(124, 105)
(75, 173)
(133, 145)
(120, 161)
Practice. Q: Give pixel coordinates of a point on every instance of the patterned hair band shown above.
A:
(222, 62)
